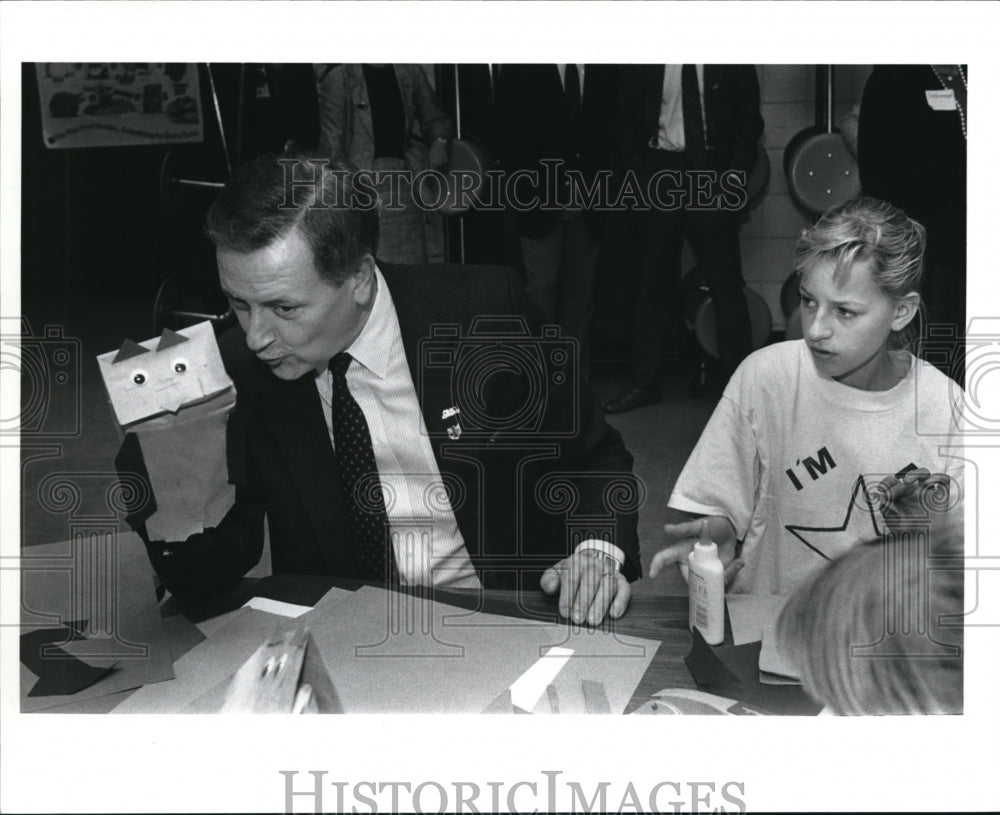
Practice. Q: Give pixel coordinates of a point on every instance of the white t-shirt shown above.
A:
(790, 454)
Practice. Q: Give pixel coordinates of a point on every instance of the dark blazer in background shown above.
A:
(915, 157)
(283, 464)
(732, 113)
(535, 124)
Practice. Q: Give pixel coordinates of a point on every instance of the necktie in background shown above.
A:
(574, 98)
(356, 459)
(694, 130)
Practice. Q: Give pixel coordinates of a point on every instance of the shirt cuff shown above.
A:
(609, 550)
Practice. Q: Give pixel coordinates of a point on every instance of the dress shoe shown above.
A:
(630, 400)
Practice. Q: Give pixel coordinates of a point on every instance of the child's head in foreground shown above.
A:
(878, 631)
(859, 273)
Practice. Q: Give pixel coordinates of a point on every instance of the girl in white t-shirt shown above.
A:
(817, 443)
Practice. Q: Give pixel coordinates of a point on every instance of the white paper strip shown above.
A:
(529, 687)
(276, 607)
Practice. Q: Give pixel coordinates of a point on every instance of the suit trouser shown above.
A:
(560, 275)
(714, 238)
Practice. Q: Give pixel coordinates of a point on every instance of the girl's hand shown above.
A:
(913, 493)
(681, 538)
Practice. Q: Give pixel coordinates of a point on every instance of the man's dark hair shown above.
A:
(272, 195)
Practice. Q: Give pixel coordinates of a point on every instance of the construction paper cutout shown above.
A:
(59, 673)
(706, 668)
(595, 698)
(395, 653)
(751, 614)
(129, 349)
(530, 685)
(686, 702)
(168, 339)
(776, 666)
(741, 662)
(504, 704)
(208, 667)
(57, 582)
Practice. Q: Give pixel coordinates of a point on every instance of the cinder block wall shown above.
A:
(788, 94)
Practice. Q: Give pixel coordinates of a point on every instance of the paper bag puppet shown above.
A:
(172, 397)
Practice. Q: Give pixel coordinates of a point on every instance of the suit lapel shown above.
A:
(357, 92)
(403, 79)
(293, 413)
(653, 96)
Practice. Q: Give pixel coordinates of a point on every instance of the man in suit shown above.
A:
(680, 128)
(912, 153)
(556, 118)
(385, 433)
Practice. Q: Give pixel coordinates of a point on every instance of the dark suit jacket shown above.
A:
(732, 113)
(535, 470)
(535, 124)
(914, 156)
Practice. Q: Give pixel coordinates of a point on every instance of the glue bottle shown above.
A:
(706, 589)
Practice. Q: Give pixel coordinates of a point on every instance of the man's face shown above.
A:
(295, 321)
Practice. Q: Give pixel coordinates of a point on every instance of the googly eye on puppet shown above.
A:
(164, 374)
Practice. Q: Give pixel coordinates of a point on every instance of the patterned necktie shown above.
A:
(356, 459)
(694, 131)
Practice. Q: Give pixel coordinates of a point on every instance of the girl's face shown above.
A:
(847, 327)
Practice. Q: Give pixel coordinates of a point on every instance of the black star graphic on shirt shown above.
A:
(823, 540)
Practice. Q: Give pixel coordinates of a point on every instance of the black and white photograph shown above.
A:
(499, 405)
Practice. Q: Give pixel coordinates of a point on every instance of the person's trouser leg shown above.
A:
(577, 279)
(542, 258)
(714, 238)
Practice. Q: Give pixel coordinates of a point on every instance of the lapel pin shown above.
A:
(451, 416)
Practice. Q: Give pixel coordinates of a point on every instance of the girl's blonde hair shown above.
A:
(873, 233)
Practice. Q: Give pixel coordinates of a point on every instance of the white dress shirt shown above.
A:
(425, 535)
(670, 135)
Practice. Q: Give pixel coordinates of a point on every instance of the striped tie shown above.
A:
(694, 132)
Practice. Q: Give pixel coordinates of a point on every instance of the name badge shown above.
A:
(941, 100)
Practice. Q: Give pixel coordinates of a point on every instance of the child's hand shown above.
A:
(682, 537)
(913, 493)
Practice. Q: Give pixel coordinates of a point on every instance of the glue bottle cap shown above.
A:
(705, 547)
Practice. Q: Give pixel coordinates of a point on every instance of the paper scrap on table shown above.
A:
(389, 652)
(530, 686)
(733, 671)
(216, 659)
(776, 667)
(750, 614)
(278, 607)
(120, 634)
(686, 702)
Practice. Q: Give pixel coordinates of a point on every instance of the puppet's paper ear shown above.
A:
(129, 349)
(170, 338)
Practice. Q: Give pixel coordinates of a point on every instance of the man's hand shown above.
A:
(589, 585)
(682, 537)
